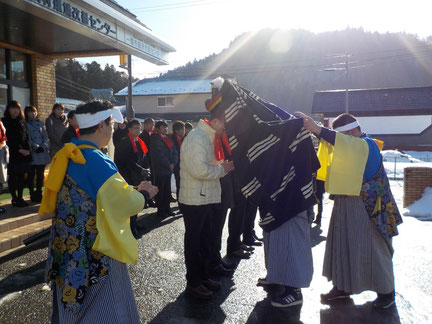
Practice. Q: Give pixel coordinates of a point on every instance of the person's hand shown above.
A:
(228, 166)
(171, 166)
(147, 186)
(308, 123)
(24, 152)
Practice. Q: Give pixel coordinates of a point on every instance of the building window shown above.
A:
(14, 78)
(165, 101)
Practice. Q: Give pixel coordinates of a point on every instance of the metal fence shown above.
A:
(395, 172)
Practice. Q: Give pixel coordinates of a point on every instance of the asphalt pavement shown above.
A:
(158, 281)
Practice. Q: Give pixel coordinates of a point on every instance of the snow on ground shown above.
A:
(422, 208)
(396, 170)
(395, 162)
(424, 156)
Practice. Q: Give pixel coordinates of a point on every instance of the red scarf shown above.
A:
(179, 139)
(220, 143)
(165, 139)
(2, 133)
(140, 142)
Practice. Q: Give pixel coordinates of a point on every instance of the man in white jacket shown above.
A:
(200, 194)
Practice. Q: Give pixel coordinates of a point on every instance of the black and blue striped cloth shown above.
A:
(273, 154)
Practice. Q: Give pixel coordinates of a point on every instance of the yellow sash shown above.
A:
(57, 173)
(343, 165)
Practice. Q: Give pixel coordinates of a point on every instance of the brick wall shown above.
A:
(44, 88)
(416, 179)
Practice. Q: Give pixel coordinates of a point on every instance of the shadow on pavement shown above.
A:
(186, 309)
(40, 244)
(264, 312)
(316, 237)
(348, 312)
(151, 222)
(23, 279)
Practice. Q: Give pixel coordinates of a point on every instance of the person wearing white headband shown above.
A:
(365, 216)
(91, 205)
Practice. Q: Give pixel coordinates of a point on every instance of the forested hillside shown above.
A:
(74, 80)
(287, 67)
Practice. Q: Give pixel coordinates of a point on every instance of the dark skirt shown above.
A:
(18, 168)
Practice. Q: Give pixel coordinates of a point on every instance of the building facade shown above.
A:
(170, 99)
(33, 33)
(401, 117)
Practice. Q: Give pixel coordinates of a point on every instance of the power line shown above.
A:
(70, 86)
(72, 82)
(177, 5)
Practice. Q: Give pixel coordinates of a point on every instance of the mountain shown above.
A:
(288, 66)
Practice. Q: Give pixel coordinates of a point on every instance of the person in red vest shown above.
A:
(163, 159)
(177, 138)
(132, 161)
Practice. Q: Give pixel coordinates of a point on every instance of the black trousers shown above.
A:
(198, 241)
(236, 223)
(164, 195)
(16, 179)
(38, 172)
(249, 222)
(217, 222)
(177, 180)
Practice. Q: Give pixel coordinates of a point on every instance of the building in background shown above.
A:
(70, 104)
(33, 33)
(170, 99)
(401, 117)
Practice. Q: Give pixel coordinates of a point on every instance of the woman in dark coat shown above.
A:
(19, 151)
(56, 124)
(39, 144)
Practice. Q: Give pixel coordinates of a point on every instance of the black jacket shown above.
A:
(161, 156)
(17, 138)
(177, 147)
(132, 166)
(68, 135)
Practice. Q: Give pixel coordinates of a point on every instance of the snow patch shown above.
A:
(167, 255)
(422, 208)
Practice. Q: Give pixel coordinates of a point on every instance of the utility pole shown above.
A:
(126, 63)
(346, 82)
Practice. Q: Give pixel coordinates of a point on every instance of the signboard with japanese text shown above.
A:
(127, 40)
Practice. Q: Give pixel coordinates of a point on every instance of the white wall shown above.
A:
(184, 103)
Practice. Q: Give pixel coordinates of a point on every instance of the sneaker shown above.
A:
(199, 292)
(333, 295)
(289, 299)
(384, 301)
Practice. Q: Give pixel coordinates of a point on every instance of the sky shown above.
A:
(198, 28)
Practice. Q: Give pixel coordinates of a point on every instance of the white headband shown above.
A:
(347, 127)
(89, 120)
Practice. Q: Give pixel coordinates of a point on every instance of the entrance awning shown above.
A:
(78, 28)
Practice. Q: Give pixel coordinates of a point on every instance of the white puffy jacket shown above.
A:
(199, 170)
